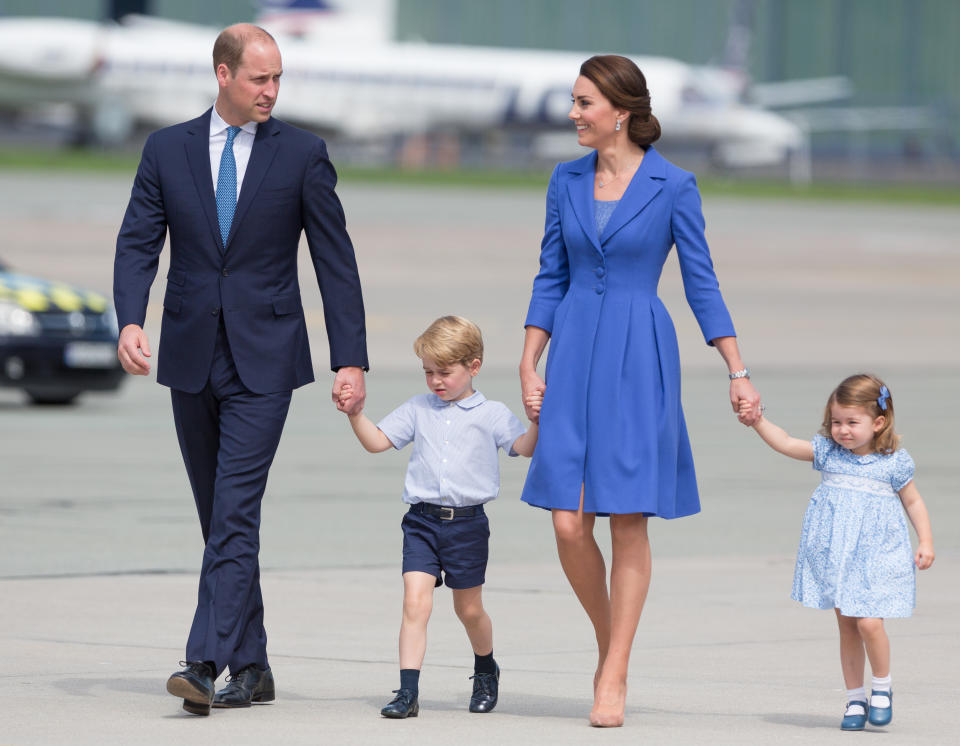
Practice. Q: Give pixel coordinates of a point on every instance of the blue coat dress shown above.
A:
(611, 418)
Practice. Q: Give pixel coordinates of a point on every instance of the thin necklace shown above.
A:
(602, 184)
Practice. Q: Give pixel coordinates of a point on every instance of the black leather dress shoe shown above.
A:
(486, 687)
(195, 685)
(404, 705)
(246, 686)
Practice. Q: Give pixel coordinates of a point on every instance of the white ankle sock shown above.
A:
(881, 685)
(856, 695)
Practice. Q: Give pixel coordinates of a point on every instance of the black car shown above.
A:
(56, 340)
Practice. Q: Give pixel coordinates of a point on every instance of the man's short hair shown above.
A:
(450, 340)
(229, 46)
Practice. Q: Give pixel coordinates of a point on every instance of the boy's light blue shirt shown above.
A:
(454, 460)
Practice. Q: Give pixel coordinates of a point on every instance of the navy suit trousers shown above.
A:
(228, 437)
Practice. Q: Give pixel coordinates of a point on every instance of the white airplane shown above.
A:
(344, 75)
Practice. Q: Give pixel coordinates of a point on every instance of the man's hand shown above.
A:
(350, 401)
(133, 349)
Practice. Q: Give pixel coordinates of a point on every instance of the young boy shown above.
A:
(453, 471)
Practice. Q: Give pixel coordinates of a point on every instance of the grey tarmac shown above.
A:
(100, 544)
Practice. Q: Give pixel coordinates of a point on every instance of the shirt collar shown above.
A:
(474, 400)
(217, 125)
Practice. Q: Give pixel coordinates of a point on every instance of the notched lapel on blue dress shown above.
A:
(198, 157)
(580, 192)
(644, 186)
(261, 156)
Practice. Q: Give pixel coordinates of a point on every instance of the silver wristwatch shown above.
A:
(745, 373)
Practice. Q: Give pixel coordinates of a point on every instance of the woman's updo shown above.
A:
(623, 85)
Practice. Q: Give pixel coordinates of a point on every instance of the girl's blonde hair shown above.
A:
(450, 340)
(870, 393)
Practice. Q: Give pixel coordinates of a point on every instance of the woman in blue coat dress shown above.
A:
(612, 434)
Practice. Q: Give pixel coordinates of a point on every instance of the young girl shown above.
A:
(854, 554)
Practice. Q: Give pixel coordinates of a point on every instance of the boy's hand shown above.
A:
(345, 397)
(532, 404)
(924, 556)
(351, 376)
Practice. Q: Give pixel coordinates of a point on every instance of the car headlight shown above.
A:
(16, 321)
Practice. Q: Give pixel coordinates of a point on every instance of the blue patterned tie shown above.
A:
(227, 185)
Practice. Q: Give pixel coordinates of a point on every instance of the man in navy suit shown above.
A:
(235, 188)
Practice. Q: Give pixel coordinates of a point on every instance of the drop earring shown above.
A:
(617, 128)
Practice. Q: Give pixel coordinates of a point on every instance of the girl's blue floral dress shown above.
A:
(855, 552)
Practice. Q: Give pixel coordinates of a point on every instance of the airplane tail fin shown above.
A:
(330, 21)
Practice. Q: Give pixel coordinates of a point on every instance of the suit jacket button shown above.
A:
(599, 289)
(215, 310)
(226, 272)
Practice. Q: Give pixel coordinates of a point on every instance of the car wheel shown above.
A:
(43, 398)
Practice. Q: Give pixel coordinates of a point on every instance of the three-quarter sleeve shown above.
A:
(553, 279)
(699, 279)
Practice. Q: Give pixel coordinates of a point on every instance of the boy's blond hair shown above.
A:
(450, 340)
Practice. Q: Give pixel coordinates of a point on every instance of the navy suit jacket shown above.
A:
(288, 187)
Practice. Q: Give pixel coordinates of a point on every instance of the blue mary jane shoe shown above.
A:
(855, 722)
(881, 715)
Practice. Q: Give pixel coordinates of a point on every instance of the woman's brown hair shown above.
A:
(870, 393)
(623, 85)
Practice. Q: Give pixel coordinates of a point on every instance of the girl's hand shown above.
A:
(745, 411)
(533, 403)
(924, 556)
(530, 385)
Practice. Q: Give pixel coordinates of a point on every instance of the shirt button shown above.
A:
(444, 461)
(448, 422)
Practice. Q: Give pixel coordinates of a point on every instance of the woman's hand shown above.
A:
(533, 403)
(532, 387)
(745, 400)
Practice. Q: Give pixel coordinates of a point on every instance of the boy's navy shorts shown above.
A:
(453, 551)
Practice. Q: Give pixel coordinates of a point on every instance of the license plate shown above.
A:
(90, 355)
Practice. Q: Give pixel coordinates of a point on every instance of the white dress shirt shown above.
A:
(242, 145)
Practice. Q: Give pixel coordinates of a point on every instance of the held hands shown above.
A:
(346, 394)
(133, 349)
(532, 403)
(531, 387)
(745, 400)
(349, 390)
(748, 414)
(924, 556)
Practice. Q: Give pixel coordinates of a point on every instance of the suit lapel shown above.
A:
(198, 158)
(644, 186)
(580, 191)
(261, 156)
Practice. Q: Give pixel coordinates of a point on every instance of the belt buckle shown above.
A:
(445, 509)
